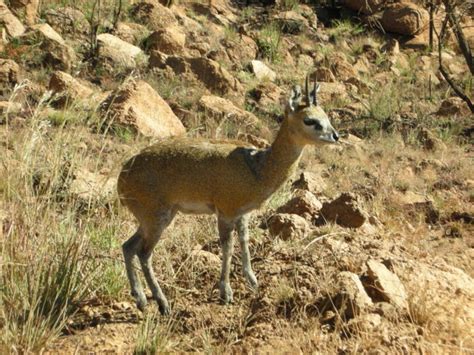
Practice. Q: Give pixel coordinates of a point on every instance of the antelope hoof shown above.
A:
(164, 307)
(141, 302)
(226, 293)
(252, 280)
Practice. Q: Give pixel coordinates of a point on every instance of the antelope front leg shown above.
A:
(243, 231)
(227, 245)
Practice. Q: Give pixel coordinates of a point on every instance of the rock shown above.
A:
(130, 32)
(220, 109)
(262, 71)
(119, 53)
(291, 22)
(331, 91)
(387, 285)
(341, 68)
(305, 61)
(10, 75)
(178, 64)
(429, 141)
(311, 182)
(324, 74)
(241, 51)
(136, 104)
(352, 299)
(345, 211)
(67, 21)
(304, 204)
(54, 49)
(153, 14)
(12, 25)
(27, 9)
(170, 40)
(67, 89)
(367, 7)
(404, 18)
(453, 106)
(91, 186)
(158, 60)
(214, 76)
(268, 95)
(414, 204)
(287, 226)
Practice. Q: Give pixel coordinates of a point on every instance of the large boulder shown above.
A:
(170, 40)
(220, 109)
(66, 88)
(10, 75)
(54, 50)
(67, 21)
(26, 9)
(12, 25)
(119, 54)
(240, 52)
(136, 104)
(386, 285)
(404, 18)
(345, 211)
(214, 76)
(130, 32)
(352, 299)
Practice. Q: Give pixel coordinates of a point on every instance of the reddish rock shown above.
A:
(404, 18)
(12, 25)
(304, 204)
(345, 211)
(170, 40)
(311, 182)
(288, 226)
(136, 104)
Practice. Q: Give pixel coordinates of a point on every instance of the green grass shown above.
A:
(268, 42)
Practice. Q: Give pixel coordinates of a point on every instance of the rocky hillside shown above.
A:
(369, 247)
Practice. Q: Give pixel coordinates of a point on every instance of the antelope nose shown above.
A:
(335, 136)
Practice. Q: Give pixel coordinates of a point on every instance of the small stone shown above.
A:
(288, 226)
(262, 71)
(387, 285)
(352, 299)
(304, 204)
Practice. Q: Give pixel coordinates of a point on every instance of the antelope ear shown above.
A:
(295, 98)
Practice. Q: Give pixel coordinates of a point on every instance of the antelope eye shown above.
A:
(312, 122)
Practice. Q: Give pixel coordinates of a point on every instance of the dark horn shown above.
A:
(315, 99)
(308, 102)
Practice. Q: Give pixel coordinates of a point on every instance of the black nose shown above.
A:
(335, 136)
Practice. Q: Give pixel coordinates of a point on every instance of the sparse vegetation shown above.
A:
(405, 154)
